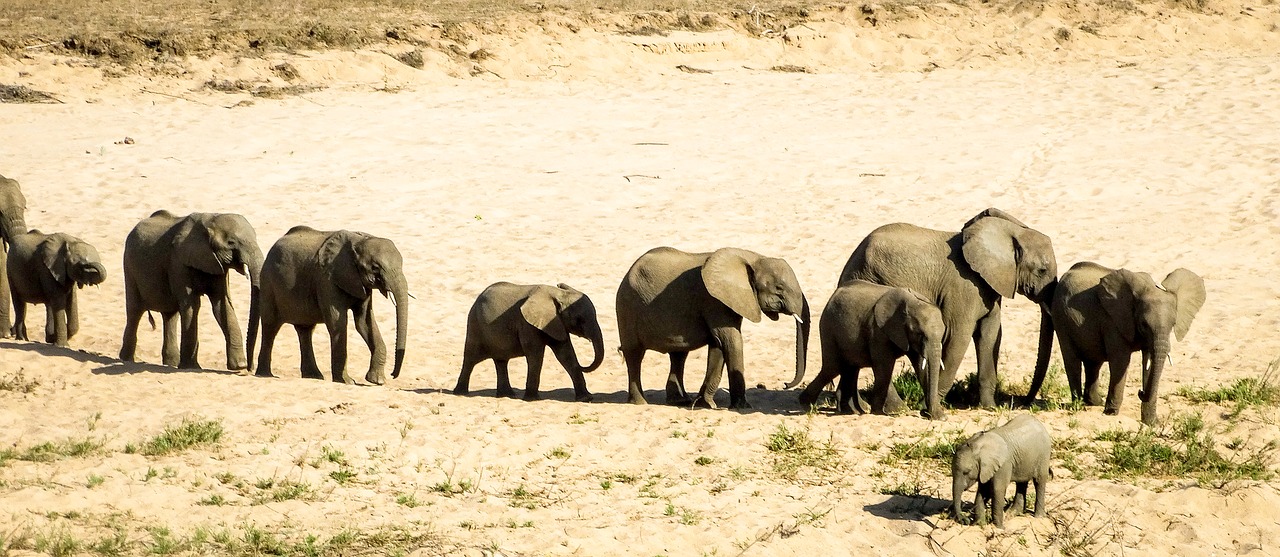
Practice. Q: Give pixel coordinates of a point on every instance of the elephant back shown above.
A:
(664, 268)
(904, 255)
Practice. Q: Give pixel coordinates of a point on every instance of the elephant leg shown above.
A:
(1040, 482)
(884, 398)
(980, 503)
(1119, 366)
(1072, 364)
(336, 322)
(269, 329)
(132, 318)
(55, 325)
(469, 361)
(367, 328)
(1092, 389)
(5, 324)
(1000, 489)
(504, 379)
(847, 397)
(634, 358)
(676, 394)
(189, 348)
(19, 329)
(706, 397)
(307, 349)
(534, 353)
(563, 351)
(1019, 499)
(729, 340)
(172, 331)
(987, 341)
(73, 314)
(225, 314)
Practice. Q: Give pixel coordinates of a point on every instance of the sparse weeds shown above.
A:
(19, 383)
(932, 445)
(50, 451)
(1243, 393)
(1183, 447)
(190, 433)
(794, 451)
(408, 500)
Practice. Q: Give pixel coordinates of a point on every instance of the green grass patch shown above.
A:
(19, 383)
(50, 451)
(1183, 448)
(795, 451)
(190, 433)
(934, 446)
(1242, 393)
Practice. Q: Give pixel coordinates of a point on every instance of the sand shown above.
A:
(1150, 145)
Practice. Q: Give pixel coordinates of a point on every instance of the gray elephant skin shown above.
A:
(515, 320)
(871, 325)
(47, 269)
(1017, 452)
(1104, 315)
(966, 274)
(312, 277)
(13, 210)
(673, 302)
(170, 262)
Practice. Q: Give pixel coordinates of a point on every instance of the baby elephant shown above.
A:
(870, 325)
(46, 269)
(513, 320)
(1017, 451)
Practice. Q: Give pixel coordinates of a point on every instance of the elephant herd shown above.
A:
(905, 291)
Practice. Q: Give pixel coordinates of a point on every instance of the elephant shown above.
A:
(47, 269)
(13, 210)
(871, 325)
(513, 320)
(312, 276)
(170, 262)
(1104, 316)
(966, 274)
(1018, 452)
(672, 301)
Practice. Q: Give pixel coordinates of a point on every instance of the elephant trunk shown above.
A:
(958, 485)
(254, 265)
(803, 323)
(1045, 350)
(12, 225)
(929, 379)
(597, 344)
(400, 294)
(1151, 379)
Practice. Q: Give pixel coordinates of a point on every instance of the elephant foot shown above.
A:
(308, 374)
(235, 364)
(532, 396)
(262, 373)
(582, 397)
(461, 390)
(506, 393)
(704, 402)
(190, 365)
(374, 378)
(679, 400)
(637, 400)
(1110, 411)
(344, 379)
(740, 404)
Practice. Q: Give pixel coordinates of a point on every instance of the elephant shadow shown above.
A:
(763, 401)
(914, 508)
(119, 367)
(50, 350)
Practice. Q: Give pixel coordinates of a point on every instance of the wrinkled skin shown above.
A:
(48, 269)
(673, 302)
(870, 325)
(966, 274)
(312, 277)
(1017, 452)
(1104, 315)
(13, 210)
(513, 321)
(170, 262)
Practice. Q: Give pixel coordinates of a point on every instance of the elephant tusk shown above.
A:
(1170, 357)
(924, 362)
(411, 296)
(798, 319)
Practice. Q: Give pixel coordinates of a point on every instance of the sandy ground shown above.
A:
(1138, 157)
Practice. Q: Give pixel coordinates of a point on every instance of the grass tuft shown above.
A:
(794, 451)
(1183, 447)
(190, 433)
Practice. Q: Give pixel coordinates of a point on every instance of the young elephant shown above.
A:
(13, 208)
(47, 269)
(1104, 316)
(512, 321)
(1018, 452)
(672, 301)
(870, 325)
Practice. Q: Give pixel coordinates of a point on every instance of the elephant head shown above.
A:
(71, 260)
(914, 326)
(13, 208)
(984, 458)
(561, 312)
(213, 243)
(359, 264)
(1144, 314)
(751, 284)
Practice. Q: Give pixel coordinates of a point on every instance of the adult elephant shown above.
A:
(312, 277)
(966, 274)
(170, 262)
(13, 210)
(1104, 315)
(518, 320)
(47, 269)
(674, 302)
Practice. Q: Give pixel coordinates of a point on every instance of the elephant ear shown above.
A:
(890, 314)
(542, 310)
(727, 276)
(991, 458)
(194, 246)
(990, 247)
(994, 212)
(1188, 287)
(53, 253)
(337, 257)
(1116, 296)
